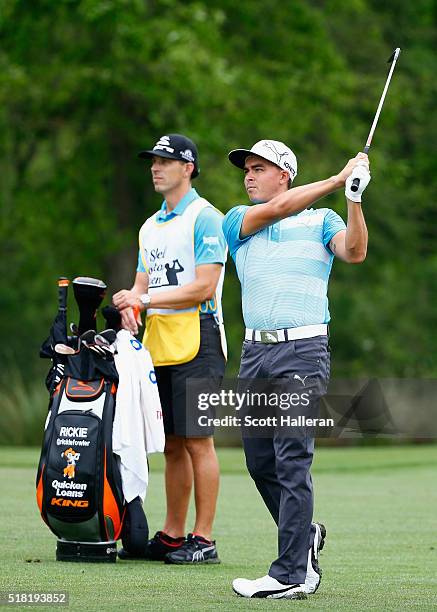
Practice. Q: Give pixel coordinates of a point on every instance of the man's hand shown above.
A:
(130, 306)
(351, 164)
(130, 320)
(127, 299)
(361, 171)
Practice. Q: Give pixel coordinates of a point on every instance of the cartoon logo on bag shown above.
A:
(71, 458)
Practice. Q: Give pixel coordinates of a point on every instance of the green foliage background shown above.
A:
(84, 84)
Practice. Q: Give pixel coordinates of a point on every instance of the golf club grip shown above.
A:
(62, 292)
(355, 184)
(356, 181)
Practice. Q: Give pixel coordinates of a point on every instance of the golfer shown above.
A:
(179, 284)
(283, 255)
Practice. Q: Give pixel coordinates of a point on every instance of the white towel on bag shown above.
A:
(138, 427)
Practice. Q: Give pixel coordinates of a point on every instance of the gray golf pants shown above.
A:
(280, 466)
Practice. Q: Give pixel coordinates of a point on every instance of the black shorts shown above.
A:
(208, 363)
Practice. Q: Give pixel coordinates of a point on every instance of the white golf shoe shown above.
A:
(269, 588)
(314, 573)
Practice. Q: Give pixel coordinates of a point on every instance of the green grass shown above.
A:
(379, 504)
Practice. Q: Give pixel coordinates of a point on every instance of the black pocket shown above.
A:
(73, 466)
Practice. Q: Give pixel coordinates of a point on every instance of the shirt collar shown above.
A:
(180, 207)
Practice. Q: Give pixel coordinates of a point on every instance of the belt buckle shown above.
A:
(269, 337)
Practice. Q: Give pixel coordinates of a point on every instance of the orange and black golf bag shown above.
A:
(79, 488)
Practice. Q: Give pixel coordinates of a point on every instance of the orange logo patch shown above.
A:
(71, 503)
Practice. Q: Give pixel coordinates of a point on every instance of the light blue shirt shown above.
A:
(208, 225)
(284, 268)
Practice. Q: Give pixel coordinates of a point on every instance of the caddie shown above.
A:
(283, 253)
(182, 254)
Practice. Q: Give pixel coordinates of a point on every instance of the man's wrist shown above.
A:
(353, 202)
(145, 300)
(337, 181)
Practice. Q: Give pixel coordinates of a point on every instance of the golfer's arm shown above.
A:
(288, 203)
(141, 283)
(194, 293)
(350, 245)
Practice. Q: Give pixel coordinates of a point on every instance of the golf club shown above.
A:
(74, 329)
(107, 336)
(105, 352)
(392, 59)
(88, 336)
(89, 293)
(112, 317)
(59, 329)
(63, 349)
(101, 341)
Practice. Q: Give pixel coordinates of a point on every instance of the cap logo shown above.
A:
(163, 144)
(188, 155)
(290, 169)
(271, 146)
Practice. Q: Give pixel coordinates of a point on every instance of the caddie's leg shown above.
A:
(209, 364)
(206, 483)
(178, 468)
(178, 485)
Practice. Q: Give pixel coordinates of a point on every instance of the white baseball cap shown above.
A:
(272, 150)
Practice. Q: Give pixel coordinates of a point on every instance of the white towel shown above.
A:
(138, 427)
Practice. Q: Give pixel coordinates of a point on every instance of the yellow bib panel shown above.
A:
(172, 338)
(167, 249)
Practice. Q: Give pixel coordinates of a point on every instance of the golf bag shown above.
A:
(79, 488)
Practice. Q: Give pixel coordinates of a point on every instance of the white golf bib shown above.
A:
(167, 251)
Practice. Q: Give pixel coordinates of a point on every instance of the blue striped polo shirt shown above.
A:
(284, 268)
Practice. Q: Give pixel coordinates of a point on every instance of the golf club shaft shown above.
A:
(356, 181)
(62, 293)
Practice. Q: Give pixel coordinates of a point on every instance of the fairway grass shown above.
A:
(379, 505)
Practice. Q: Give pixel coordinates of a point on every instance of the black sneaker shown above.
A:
(195, 550)
(125, 555)
(161, 544)
(314, 571)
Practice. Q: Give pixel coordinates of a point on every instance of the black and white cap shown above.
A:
(175, 146)
(272, 150)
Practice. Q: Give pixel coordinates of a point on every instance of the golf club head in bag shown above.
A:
(112, 317)
(58, 330)
(89, 293)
